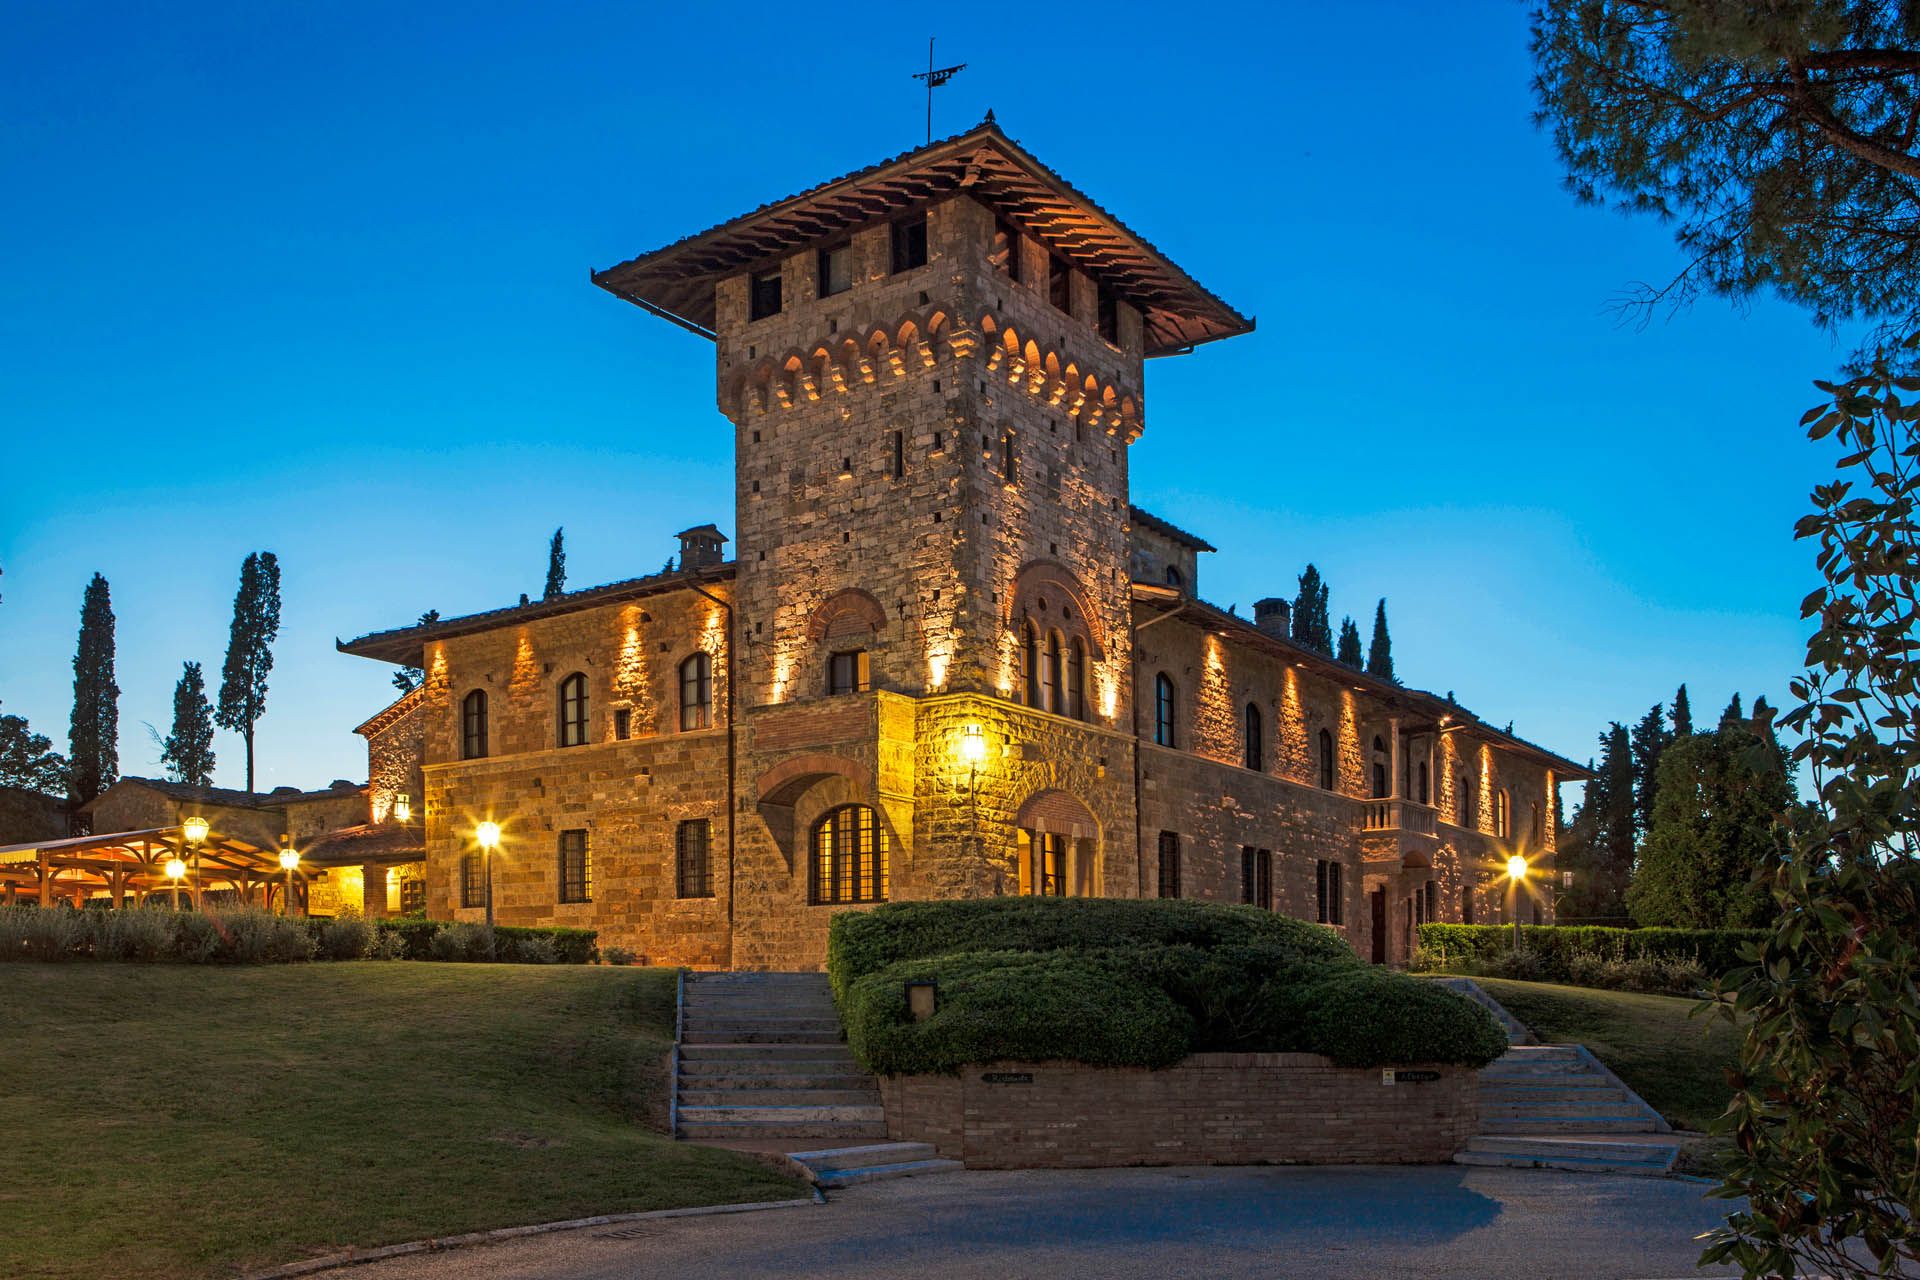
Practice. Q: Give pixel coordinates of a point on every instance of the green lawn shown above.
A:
(173, 1120)
(1674, 1060)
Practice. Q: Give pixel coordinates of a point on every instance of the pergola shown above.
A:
(133, 864)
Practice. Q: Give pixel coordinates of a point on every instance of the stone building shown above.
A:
(948, 656)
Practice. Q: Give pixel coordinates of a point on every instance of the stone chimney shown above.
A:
(1273, 616)
(700, 547)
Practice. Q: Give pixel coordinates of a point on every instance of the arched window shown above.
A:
(1077, 679)
(1502, 813)
(473, 725)
(1466, 810)
(696, 692)
(573, 710)
(1163, 710)
(1326, 760)
(1174, 577)
(849, 857)
(1380, 768)
(1030, 664)
(1255, 743)
(1050, 699)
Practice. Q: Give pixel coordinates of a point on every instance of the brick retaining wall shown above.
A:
(1212, 1108)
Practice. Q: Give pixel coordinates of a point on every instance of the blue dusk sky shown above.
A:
(313, 278)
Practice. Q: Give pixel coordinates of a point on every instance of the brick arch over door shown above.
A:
(850, 612)
(1051, 584)
(782, 788)
(1057, 813)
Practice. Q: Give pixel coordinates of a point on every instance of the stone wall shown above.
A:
(1212, 1108)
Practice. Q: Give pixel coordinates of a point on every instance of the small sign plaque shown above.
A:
(1006, 1077)
(1411, 1077)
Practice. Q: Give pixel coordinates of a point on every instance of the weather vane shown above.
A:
(935, 77)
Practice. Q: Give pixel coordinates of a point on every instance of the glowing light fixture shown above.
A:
(176, 870)
(487, 835)
(1517, 867)
(402, 808)
(289, 858)
(194, 829)
(973, 744)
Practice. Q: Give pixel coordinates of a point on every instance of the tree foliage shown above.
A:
(1648, 740)
(407, 679)
(1598, 846)
(1779, 138)
(556, 565)
(1826, 1112)
(1717, 822)
(1312, 624)
(187, 752)
(27, 759)
(1349, 651)
(1682, 716)
(93, 735)
(1380, 648)
(256, 625)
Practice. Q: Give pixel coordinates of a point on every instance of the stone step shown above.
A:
(1541, 1052)
(880, 1172)
(800, 1024)
(1506, 1070)
(775, 1078)
(1618, 1109)
(833, 1158)
(758, 1072)
(1548, 1084)
(1612, 1148)
(1571, 1164)
(854, 1113)
(764, 1052)
(1569, 1124)
(761, 1009)
(751, 1035)
(736, 1130)
(779, 1097)
(759, 982)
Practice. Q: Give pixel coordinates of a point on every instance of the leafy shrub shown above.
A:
(134, 935)
(30, 933)
(1376, 1017)
(1021, 1006)
(385, 946)
(259, 937)
(415, 936)
(462, 942)
(617, 955)
(346, 938)
(526, 949)
(868, 941)
(569, 946)
(1455, 948)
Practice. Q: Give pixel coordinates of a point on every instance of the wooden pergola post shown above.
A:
(46, 882)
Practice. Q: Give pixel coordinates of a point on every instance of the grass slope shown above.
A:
(166, 1121)
(1674, 1060)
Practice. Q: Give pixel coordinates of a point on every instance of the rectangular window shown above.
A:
(1430, 897)
(764, 295)
(622, 723)
(1107, 316)
(1329, 891)
(1466, 905)
(413, 896)
(848, 672)
(909, 244)
(836, 270)
(1256, 877)
(1047, 877)
(1009, 459)
(473, 885)
(899, 454)
(576, 868)
(1005, 255)
(1169, 864)
(693, 869)
(1060, 284)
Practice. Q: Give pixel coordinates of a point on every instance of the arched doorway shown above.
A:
(1057, 847)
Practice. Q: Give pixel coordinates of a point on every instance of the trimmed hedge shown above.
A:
(1717, 950)
(1113, 982)
(252, 936)
(868, 941)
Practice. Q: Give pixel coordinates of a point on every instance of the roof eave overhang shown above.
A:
(676, 281)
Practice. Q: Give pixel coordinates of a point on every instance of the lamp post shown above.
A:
(289, 859)
(1516, 874)
(195, 831)
(488, 835)
(175, 870)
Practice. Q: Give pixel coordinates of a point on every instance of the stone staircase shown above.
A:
(1555, 1106)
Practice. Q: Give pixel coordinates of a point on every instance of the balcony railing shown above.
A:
(1397, 815)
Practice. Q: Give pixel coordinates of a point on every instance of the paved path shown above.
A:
(1430, 1223)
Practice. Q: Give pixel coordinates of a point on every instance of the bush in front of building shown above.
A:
(1676, 961)
(1130, 983)
(868, 941)
(510, 944)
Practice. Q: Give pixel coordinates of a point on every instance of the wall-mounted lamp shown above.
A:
(922, 999)
(402, 808)
(194, 829)
(973, 744)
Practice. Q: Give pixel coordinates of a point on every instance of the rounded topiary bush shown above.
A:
(1375, 1017)
(1021, 1006)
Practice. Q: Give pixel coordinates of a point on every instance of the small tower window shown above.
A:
(473, 725)
(848, 672)
(899, 454)
(693, 869)
(573, 710)
(764, 295)
(1005, 255)
(910, 244)
(1255, 744)
(1326, 761)
(1060, 284)
(1163, 709)
(696, 692)
(836, 270)
(1077, 679)
(1009, 459)
(1108, 319)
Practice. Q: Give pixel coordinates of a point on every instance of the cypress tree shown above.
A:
(1733, 714)
(1647, 741)
(187, 752)
(1380, 651)
(1349, 651)
(1312, 627)
(556, 565)
(1599, 844)
(93, 739)
(1682, 715)
(256, 624)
